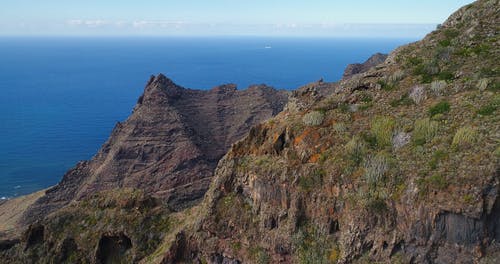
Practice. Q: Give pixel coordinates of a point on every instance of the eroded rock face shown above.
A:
(356, 68)
(169, 146)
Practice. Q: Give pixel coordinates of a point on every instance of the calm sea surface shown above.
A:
(60, 97)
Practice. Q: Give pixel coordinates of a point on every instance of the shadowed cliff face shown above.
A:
(170, 144)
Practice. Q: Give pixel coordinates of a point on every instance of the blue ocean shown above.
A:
(60, 97)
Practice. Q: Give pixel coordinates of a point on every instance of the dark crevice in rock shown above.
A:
(279, 144)
(385, 245)
(112, 248)
(34, 235)
(398, 247)
(493, 221)
(281, 249)
(67, 250)
(218, 258)
(177, 250)
(8, 244)
(333, 226)
(270, 223)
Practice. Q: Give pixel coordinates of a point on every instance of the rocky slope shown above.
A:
(398, 164)
(401, 164)
(357, 68)
(169, 146)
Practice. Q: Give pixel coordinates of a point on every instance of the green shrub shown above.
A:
(259, 255)
(427, 71)
(375, 169)
(311, 246)
(385, 86)
(481, 49)
(437, 87)
(404, 100)
(382, 128)
(370, 139)
(495, 87)
(314, 118)
(366, 98)
(377, 205)
(488, 71)
(339, 127)
(396, 76)
(465, 136)
(414, 61)
(434, 182)
(443, 53)
(497, 152)
(344, 108)
(483, 84)
(424, 131)
(437, 181)
(365, 106)
(468, 198)
(446, 76)
(436, 158)
(445, 43)
(487, 109)
(355, 150)
(439, 108)
(451, 33)
(307, 183)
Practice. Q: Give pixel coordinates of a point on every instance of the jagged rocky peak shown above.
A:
(159, 88)
(356, 68)
(169, 146)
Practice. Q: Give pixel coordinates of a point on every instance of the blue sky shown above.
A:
(224, 17)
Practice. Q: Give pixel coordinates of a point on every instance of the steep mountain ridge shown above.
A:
(169, 146)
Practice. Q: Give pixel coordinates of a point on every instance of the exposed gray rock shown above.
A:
(357, 68)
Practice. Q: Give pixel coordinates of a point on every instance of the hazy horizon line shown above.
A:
(334, 30)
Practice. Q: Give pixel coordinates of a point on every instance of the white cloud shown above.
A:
(75, 22)
(87, 23)
(96, 23)
(157, 24)
(137, 24)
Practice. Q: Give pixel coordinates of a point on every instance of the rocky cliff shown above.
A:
(400, 164)
(397, 164)
(169, 146)
(357, 68)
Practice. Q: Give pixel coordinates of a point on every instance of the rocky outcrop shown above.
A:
(169, 146)
(356, 68)
(328, 180)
